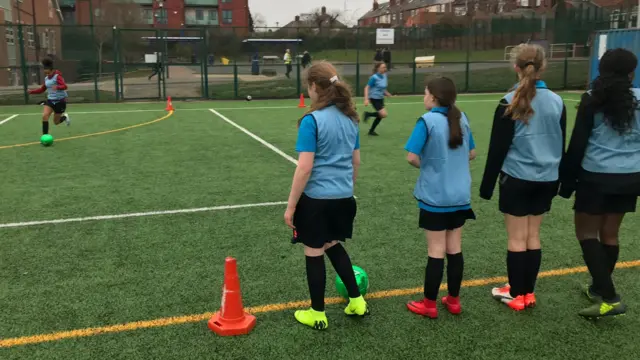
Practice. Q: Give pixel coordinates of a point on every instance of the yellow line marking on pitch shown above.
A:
(176, 320)
(93, 134)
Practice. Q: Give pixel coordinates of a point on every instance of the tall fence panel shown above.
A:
(107, 64)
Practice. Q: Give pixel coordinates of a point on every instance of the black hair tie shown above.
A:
(531, 63)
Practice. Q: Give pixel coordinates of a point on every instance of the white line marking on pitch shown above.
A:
(244, 108)
(139, 214)
(9, 118)
(256, 137)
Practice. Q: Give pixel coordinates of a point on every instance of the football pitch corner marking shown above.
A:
(168, 115)
(177, 320)
(255, 137)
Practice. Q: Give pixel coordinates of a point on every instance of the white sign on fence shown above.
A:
(151, 58)
(385, 36)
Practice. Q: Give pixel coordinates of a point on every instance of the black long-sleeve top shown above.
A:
(571, 171)
(502, 134)
(571, 164)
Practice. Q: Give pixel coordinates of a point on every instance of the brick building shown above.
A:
(172, 14)
(38, 41)
(398, 13)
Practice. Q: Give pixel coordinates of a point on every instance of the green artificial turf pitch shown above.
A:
(67, 276)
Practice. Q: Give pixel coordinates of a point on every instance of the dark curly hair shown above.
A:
(611, 91)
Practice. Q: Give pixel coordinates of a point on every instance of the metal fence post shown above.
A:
(23, 64)
(116, 63)
(235, 80)
(413, 59)
(96, 64)
(205, 54)
(357, 61)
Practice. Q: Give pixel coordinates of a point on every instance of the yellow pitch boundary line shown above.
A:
(176, 320)
(92, 134)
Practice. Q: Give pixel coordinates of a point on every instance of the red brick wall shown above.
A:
(240, 10)
(48, 21)
(175, 14)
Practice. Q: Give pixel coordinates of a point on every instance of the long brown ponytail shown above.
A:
(530, 60)
(331, 90)
(444, 90)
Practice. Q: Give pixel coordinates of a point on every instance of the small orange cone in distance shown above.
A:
(231, 319)
(169, 105)
(301, 105)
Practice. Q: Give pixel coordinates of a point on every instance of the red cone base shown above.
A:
(224, 327)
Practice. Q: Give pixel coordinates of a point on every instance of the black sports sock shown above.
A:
(612, 251)
(376, 122)
(534, 258)
(455, 268)
(369, 114)
(598, 265)
(516, 267)
(45, 127)
(433, 278)
(316, 278)
(342, 264)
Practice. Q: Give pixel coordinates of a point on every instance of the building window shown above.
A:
(460, 11)
(213, 15)
(44, 40)
(501, 5)
(393, 17)
(226, 1)
(523, 3)
(31, 41)
(199, 15)
(8, 33)
(52, 42)
(538, 3)
(147, 16)
(51, 11)
(227, 16)
(161, 16)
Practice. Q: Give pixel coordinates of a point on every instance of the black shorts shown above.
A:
(321, 221)
(377, 104)
(59, 107)
(441, 221)
(523, 198)
(591, 200)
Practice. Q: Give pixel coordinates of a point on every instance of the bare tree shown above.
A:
(259, 21)
(113, 14)
(321, 18)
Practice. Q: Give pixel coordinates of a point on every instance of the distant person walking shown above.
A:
(378, 56)
(306, 59)
(386, 57)
(287, 62)
(157, 68)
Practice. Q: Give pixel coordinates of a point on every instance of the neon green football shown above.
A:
(362, 279)
(46, 140)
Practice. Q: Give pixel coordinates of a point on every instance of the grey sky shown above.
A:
(284, 11)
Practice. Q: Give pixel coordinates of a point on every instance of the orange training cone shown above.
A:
(231, 319)
(169, 105)
(301, 105)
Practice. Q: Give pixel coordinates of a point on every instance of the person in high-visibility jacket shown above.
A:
(287, 61)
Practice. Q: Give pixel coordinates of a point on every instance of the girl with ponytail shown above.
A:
(321, 208)
(441, 146)
(527, 144)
